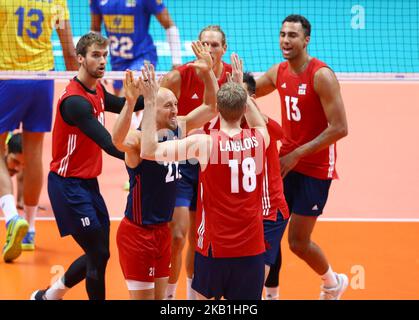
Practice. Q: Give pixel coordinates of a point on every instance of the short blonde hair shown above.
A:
(216, 28)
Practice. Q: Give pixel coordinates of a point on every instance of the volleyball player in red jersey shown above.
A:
(313, 119)
(229, 258)
(143, 237)
(78, 138)
(274, 206)
(188, 88)
(275, 209)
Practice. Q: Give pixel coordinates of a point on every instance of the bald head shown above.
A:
(165, 95)
(166, 112)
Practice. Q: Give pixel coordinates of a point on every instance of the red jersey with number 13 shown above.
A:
(229, 221)
(303, 119)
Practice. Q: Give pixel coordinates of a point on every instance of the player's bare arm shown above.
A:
(194, 146)
(69, 52)
(253, 116)
(123, 138)
(172, 36)
(208, 109)
(255, 120)
(266, 83)
(327, 87)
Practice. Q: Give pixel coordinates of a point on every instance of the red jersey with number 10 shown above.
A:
(229, 221)
(73, 153)
(303, 119)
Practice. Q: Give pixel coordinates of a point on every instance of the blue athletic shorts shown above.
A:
(134, 65)
(77, 204)
(28, 102)
(187, 186)
(273, 232)
(239, 278)
(305, 195)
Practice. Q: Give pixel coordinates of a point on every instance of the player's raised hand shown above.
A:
(131, 87)
(204, 61)
(148, 84)
(237, 66)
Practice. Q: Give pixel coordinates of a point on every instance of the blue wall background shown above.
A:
(389, 41)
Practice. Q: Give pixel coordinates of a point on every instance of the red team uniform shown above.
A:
(230, 242)
(73, 153)
(303, 119)
(274, 206)
(273, 198)
(76, 163)
(191, 97)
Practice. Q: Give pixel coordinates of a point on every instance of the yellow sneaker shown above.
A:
(17, 228)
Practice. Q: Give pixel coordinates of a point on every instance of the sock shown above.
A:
(30, 215)
(271, 293)
(56, 291)
(171, 291)
(329, 279)
(8, 205)
(190, 293)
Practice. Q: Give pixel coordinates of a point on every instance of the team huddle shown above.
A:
(206, 166)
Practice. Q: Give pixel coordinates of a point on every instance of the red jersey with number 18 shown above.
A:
(229, 221)
(303, 119)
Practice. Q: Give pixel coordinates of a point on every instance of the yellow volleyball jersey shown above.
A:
(25, 33)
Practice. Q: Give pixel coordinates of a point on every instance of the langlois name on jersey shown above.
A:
(238, 145)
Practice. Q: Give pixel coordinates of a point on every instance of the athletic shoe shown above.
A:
(336, 292)
(38, 295)
(16, 231)
(28, 242)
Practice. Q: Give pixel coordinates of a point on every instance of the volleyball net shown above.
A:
(368, 40)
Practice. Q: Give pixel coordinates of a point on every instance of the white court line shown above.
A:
(320, 219)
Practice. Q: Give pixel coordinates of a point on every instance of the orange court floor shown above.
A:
(369, 229)
(380, 258)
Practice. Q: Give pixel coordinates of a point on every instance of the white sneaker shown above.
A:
(336, 292)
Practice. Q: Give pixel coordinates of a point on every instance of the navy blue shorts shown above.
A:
(239, 278)
(77, 204)
(134, 65)
(187, 186)
(273, 232)
(305, 195)
(28, 102)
